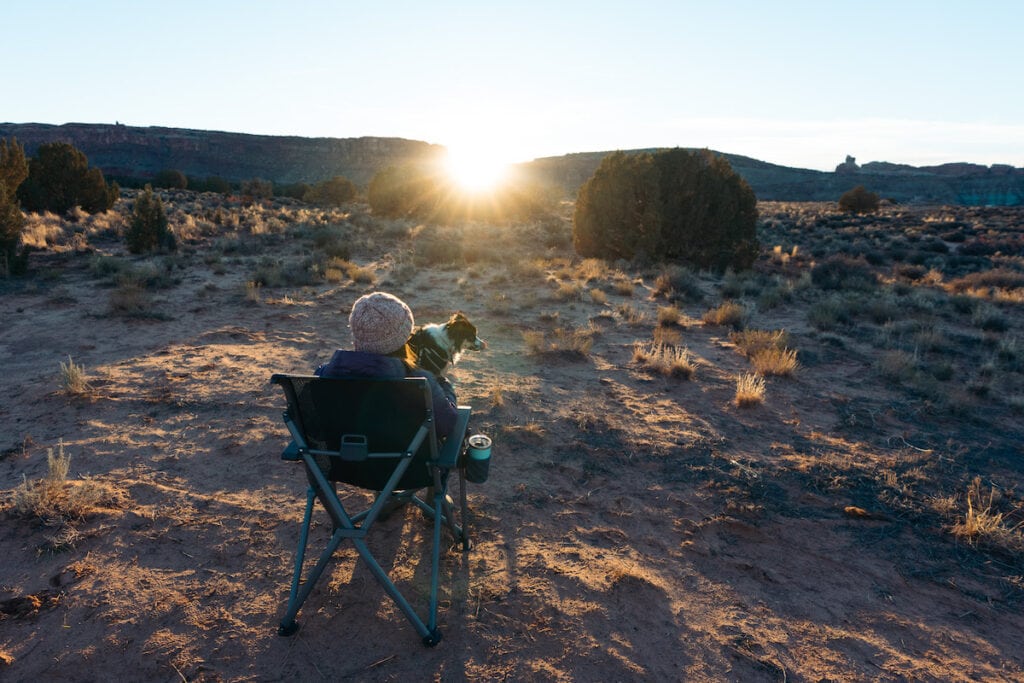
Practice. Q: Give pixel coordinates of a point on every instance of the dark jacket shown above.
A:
(357, 364)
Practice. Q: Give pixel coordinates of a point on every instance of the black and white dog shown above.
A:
(438, 345)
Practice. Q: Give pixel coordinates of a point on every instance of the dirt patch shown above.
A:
(637, 525)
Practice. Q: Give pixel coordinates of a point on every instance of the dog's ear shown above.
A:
(457, 316)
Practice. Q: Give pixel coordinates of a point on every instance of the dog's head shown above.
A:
(462, 333)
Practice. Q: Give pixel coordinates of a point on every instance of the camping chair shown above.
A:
(374, 434)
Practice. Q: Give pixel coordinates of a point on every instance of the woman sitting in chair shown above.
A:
(381, 324)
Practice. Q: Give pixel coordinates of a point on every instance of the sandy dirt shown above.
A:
(635, 526)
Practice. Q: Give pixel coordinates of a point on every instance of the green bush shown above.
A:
(840, 272)
(859, 200)
(292, 191)
(149, 229)
(13, 171)
(675, 205)
(170, 179)
(400, 191)
(13, 166)
(59, 179)
(334, 192)
(257, 188)
(211, 183)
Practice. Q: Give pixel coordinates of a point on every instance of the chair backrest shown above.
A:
(384, 414)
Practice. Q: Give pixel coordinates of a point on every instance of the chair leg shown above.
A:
(431, 635)
(288, 625)
(464, 517)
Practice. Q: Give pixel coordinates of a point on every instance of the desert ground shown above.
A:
(852, 512)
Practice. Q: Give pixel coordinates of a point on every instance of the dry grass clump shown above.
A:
(131, 301)
(729, 314)
(338, 269)
(749, 342)
(630, 314)
(54, 497)
(672, 336)
(568, 291)
(772, 361)
(72, 379)
(252, 291)
(767, 350)
(750, 390)
(678, 283)
(592, 269)
(983, 526)
(670, 315)
(566, 341)
(623, 287)
(665, 359)
(897, 365)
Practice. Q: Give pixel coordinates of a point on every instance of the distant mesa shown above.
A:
(133, 152)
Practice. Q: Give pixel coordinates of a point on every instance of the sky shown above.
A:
(795, 83)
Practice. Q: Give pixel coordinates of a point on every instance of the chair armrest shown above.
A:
(449, 455)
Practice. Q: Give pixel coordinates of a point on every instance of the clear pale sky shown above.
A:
(794, 83)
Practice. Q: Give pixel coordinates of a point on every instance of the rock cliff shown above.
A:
(127, 151)
(135, 152)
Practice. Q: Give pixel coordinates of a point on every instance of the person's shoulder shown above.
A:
(359, 364)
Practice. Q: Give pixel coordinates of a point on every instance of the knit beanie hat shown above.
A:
(380, 323)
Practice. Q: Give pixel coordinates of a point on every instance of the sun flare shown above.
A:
(476, 169)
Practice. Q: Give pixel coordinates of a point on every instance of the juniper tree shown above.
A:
(149, 229)
(59, 178)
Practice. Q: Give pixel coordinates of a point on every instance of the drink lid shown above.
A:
(479, 441)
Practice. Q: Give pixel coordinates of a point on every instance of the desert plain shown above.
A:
(811, 471)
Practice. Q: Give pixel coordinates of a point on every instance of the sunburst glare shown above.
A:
(476, 168)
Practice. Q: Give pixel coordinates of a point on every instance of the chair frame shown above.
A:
(352, 452)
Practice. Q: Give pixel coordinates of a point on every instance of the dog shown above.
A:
(439, 345)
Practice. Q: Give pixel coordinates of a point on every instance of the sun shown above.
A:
(476, 168)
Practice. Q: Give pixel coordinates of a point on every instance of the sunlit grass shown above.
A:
(750, 390)
(664, 359)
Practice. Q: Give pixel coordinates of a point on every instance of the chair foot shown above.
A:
(288, 630)
(432, 638)
(466, 545)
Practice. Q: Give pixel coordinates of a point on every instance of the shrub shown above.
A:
(148, 229)
(293, 191)
(675, 205)
(981, 525)
(859, 200)
(400, 191)
(59, 178)
(843, 272)
(170, 179)
(213, 184)
(54, 497)
(670, 315)
(678, 283)
(13, 260)
(257, 188)
(13, 166)
(729, 314)
(73, 379)
(334, 192)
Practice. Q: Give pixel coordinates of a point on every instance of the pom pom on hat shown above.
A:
(380, 323)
